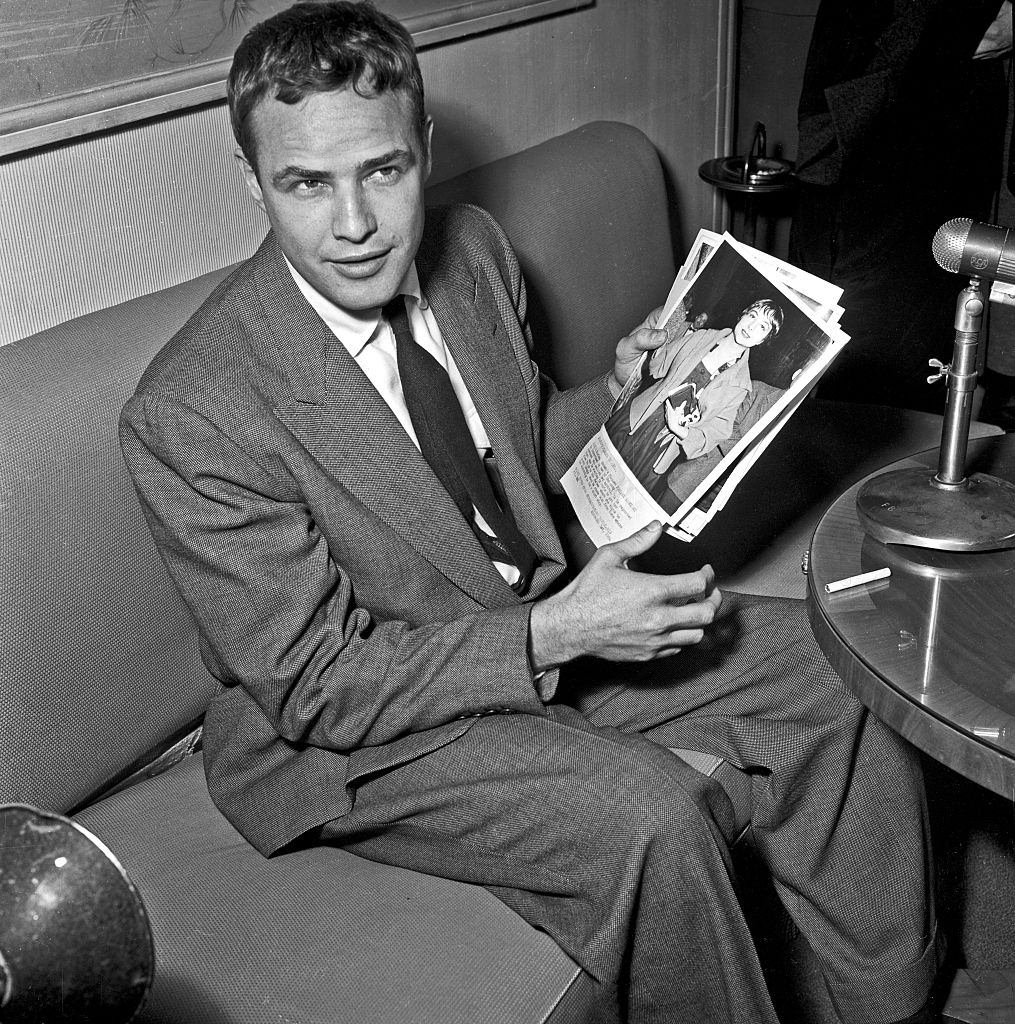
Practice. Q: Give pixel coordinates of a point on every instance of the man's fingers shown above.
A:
(681, 638)
(689, 586)
(652, 320)
(675, 642)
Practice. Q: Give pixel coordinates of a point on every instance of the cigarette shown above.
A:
(857, 581)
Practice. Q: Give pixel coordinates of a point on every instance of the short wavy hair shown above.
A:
(774, 311)
(316, 47)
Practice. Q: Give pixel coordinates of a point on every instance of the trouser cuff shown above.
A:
(885, 997)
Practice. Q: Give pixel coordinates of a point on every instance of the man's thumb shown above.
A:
(638, 543)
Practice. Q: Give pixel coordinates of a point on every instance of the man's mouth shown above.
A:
(361, 265)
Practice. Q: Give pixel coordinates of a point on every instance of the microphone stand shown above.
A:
(948, 510)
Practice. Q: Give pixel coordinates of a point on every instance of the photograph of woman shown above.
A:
(697, 398)
(737, 345)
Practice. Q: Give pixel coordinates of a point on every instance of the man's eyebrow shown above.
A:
(295, 171)
(392, 156)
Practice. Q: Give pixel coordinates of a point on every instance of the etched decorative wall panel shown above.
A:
(68, 67)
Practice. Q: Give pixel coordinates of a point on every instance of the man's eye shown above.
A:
(307, 185)
(386, 174)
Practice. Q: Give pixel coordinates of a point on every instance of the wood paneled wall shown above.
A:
(108, 217)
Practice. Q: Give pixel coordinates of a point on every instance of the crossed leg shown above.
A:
(588, 827)
(839, 814)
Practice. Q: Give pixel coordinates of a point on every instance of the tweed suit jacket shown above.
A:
(350, 614)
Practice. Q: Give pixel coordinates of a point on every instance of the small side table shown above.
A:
(931, 651)
(750, 176)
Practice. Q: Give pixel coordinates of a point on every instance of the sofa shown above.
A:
(102, 689)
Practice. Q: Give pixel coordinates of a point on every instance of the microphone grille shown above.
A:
(950, 242)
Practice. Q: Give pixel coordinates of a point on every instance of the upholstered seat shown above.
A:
(316, 934)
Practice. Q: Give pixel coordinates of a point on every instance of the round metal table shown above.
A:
(930, 650)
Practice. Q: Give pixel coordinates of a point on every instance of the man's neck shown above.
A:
(354, 328)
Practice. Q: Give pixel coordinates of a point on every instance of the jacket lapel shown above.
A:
(491, 372)
(329, 404)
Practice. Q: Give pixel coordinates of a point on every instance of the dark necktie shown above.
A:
(448, 447)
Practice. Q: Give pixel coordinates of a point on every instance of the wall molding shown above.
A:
(726, 61)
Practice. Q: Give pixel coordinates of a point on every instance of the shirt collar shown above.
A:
(353, 328)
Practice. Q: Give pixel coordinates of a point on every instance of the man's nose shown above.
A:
(352, 216)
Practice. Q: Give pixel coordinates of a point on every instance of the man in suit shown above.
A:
(406, 670)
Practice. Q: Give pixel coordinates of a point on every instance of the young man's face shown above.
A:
(341, 178)
(753, 327)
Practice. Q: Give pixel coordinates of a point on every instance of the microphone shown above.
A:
(951, 511)
(963, 246)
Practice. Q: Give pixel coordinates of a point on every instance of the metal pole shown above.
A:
(951, 471)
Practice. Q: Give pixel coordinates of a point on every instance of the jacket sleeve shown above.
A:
(572, 418)
(279, 617)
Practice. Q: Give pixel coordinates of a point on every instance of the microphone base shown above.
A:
(909, 506)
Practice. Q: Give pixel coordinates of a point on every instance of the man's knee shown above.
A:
(610, 788)
(650, 793)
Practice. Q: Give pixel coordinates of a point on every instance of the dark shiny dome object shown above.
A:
(75, 942)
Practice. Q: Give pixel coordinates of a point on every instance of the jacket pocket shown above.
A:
(371, 760)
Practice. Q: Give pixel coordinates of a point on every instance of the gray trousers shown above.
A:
(586, 825)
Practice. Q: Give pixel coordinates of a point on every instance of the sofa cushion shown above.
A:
(99, 663)
(316, 934)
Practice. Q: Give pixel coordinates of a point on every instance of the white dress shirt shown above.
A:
(370, 340)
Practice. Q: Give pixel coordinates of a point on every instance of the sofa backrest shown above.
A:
(98, 657)
(98, 664)
(588, 215)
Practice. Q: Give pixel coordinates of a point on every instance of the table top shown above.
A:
(930, 650)
(727, 173)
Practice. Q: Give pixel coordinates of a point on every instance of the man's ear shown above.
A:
(250, 178)
(427, 147)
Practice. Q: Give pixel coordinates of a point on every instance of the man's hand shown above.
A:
(615, 613)
(997, 40)
(644, 338)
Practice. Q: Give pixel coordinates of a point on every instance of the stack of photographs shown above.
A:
(747, 338)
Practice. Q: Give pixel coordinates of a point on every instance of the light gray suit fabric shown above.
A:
(375, 683)
(263, 454)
